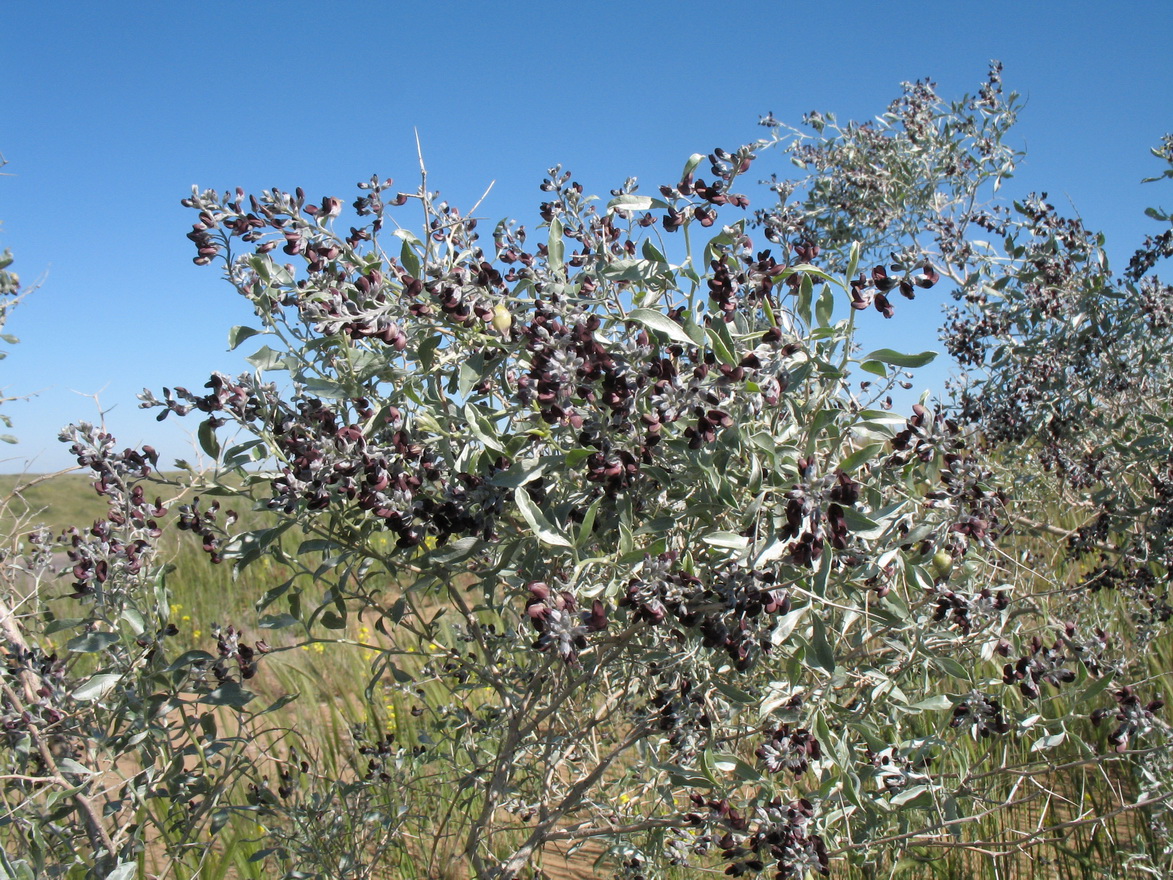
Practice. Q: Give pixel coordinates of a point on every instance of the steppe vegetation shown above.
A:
(606, 538)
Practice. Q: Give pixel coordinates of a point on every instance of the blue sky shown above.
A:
(113, 110)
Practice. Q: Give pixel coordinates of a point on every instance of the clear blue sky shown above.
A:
(113, 110)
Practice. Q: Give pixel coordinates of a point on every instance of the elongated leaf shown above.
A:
(917, 797)
(587, 528)
(92, 643)
(632, 270)
(456, 551)
(805, 297)
(471, 371)
(230, 693)
(482, 429)
(1049, 742)
(574, 458)
(937, 702)
(426, 353)
(896, 359)
(410, 259)
(63, 623)
(863, 526)
(726, 540)
(522, 472)
(691, 165)
(239, 334)
(633, 202)
(951, 667)
(189, 658)
(825, 306)
(277, 621)
(822, 576)
(68, 765)
(808, 269)
(736, 695)
(787, 623)
(135, 619)
(660, 323)
(853, 260)
(849, 464)
(247, 547)
(1096, 688)
(556, 247)
(316, 545)
(823, 653)
(652, 253)
(720, 348)
(542, 527)
(685, 777)
(327, 389)
(96, 687)
(207, 437)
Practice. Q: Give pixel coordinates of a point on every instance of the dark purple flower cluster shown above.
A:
(725, 167)
(45, 675)
(981, 713)
(894, 770)
(364, 310)
(382, 469)
(797, 852)
(289, 773)
(122, 540)
(232, 649)
(1042, 664)
(922, 436)
(1146, 591)
(567, 362)
(732, 611)
(1055, 324)
(343, 295)
(663, 588)
(966, 612)
(1133, 717)
(788, 749)
(243, 398)
(781, 835)
(681, 712)
(562, 627)
(378, 754)
(967, 488)
(715, 811)
(815, 512)
(618, 395)
(206, 525)
(866, 291)
(1090, 651)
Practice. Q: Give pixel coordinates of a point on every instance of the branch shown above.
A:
(522, 855)
(1047, 529)
(99, 837)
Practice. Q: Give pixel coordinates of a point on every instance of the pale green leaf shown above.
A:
(239, 334)
(542, 527)
(896, 359)
(96, 687)
(660, 323)
(634, 202)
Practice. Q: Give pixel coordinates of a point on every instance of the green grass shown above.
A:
(53, 500)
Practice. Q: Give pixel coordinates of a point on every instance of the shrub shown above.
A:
(648, 556)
